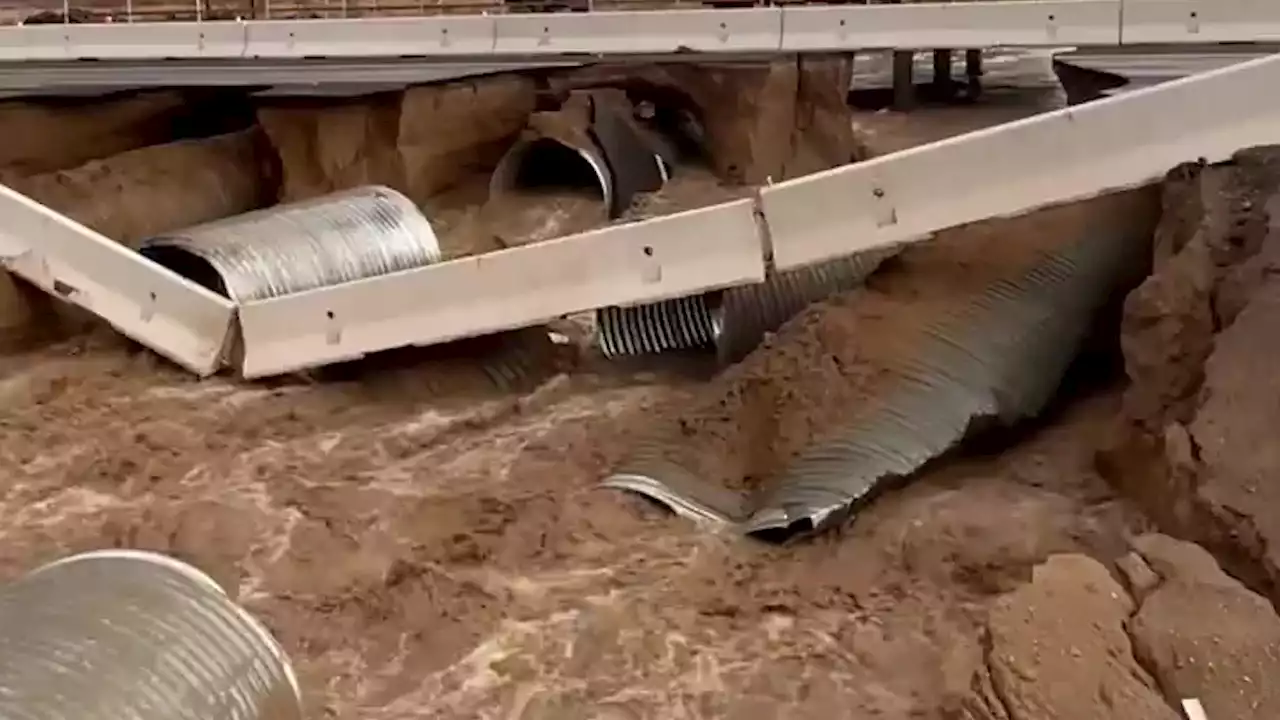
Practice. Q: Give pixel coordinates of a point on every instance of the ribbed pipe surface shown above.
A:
(994, 360)
(749, 312)
(734, 321)
(683, 323)
(345, 236)
(506, 175)
(998, 360)
(123, 634)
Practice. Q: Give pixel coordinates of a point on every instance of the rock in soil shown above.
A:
(1057, 648)
(1203, 634)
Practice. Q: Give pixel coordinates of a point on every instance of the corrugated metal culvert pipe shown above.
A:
(995, 360)
(337, 238)
(734, 321)
(123, 634)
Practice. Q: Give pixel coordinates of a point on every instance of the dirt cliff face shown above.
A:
(776, 120)
(420, 141)
(54, 135)
(137, 194)
(1196, 440)
(759, 121)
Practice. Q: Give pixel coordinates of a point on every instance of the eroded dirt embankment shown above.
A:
(1194, 447)
(137, 194)
(55, 135)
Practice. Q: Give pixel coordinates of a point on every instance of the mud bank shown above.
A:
(1194, 446)
(760, 121)
(140, 193)
(55, 135)
(419, 141)
(756, 122)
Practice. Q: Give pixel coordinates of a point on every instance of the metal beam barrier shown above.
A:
(148, 41)
(158, 308)
(680, 254)
(1065, 155)
(814, 28)
(1200, 21)
(951, 25)
(445, 37)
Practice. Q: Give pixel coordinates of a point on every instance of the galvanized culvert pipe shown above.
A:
(542, 161)
(337, 238)
(731, 322)
(127, 634)
(994, 361)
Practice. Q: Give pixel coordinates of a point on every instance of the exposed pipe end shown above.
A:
(177, 567)
(549, 163)
(684, 323)
(732, 322)
(344, 236)
(681, 504)
(168, 252)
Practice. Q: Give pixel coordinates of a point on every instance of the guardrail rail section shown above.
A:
(1056, 157)
(156, 307)
(756, 30)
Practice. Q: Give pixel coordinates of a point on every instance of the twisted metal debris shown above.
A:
(337, 238)
(733, 321)
(126, 634)
(995, 360)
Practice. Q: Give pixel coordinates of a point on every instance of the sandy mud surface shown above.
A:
(424, 534)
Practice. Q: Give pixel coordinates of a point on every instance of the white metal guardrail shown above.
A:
(1203, 21)
(648, 32)
(680, 254)
(158, 308)
(1009, 169)
(334, 77)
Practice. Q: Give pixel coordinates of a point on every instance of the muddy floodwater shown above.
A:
(423, 533)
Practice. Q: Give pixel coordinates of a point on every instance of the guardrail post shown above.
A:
(942, 82)
(973, 72)
(904, 80)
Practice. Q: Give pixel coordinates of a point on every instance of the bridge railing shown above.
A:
(130, 11)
